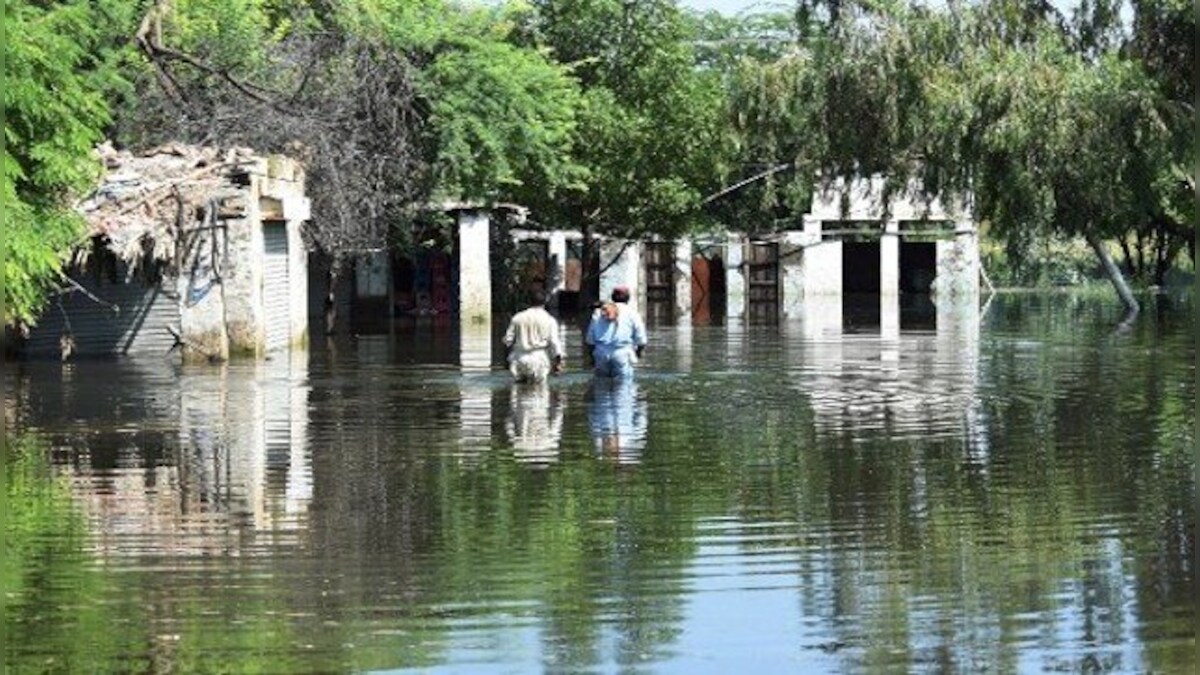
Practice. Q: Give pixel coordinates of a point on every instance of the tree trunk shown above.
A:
(1124, 241)
(588, 271)
(332, 279)
(1114, 274)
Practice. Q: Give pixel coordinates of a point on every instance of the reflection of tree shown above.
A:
(938, 552)
(912, 550)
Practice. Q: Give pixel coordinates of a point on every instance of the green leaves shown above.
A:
(504, 117)
(60, 65)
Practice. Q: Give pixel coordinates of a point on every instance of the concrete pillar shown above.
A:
(889, 259)
(791, 274)
(556, 271)
(735, 278)
(889, 280)
(625, 270)
(958, 268)
(474, 269)
(242, 276)
(683, 282)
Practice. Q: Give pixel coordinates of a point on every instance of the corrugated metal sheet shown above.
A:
(135, 318)
(276, 287)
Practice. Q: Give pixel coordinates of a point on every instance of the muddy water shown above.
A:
(1008, 493)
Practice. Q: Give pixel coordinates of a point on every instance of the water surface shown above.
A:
(1009, 493)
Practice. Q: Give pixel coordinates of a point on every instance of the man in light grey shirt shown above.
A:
(533, 343)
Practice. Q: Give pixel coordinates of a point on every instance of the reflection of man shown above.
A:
(533, 344)
(617, 419)
(534, 423)
(617, 336)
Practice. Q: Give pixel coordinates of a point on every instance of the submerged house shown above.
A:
(853, 257)
(854, 261)
(189, 248)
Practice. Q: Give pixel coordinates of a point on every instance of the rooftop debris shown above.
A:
(146, 199)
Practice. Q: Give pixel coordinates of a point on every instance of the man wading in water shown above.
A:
(617, 336)
(532, 342)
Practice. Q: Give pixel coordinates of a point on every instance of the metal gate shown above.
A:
(763, 267)
(660, 282)
(276, 291)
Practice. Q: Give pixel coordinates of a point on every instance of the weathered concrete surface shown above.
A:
(245, 318)
(556, 266)
(735, 278)
(957, 269)
(682, 278)
(202, 297)
(275, 192)
(791, 273)
(625, 270)
(474, 268)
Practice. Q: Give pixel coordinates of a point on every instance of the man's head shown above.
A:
(620, 294)
(537, 298)
(609, 311)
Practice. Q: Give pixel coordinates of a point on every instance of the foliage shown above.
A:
(1052, 129)
(651, 133)
(61, 63)
(390, 104)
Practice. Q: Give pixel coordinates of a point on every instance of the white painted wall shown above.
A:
(474, 268)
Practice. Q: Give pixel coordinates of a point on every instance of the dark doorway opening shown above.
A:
(860, 285)
(918, 267)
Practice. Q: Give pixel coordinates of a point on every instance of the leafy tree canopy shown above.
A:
(62, 63)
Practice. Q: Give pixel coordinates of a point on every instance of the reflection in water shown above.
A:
(535, 423)
(617, 418)
(903, 383)
(1013, 499)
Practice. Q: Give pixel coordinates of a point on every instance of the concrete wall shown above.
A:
(682, 278)
(625, 270)
(735, 278)
(792, 273)
(957, 268)
(202, 296)
(298, 272)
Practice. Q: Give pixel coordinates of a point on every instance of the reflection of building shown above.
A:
(228, 454)
(535, 423)
(904, 382)
(617, 419)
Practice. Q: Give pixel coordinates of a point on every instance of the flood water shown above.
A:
(1013, 493)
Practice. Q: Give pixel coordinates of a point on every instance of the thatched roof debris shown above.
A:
(146, 200)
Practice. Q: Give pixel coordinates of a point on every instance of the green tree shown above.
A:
(61, 65)
(651, 132)
(1050, 128)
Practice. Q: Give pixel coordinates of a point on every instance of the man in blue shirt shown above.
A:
(617, 337)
